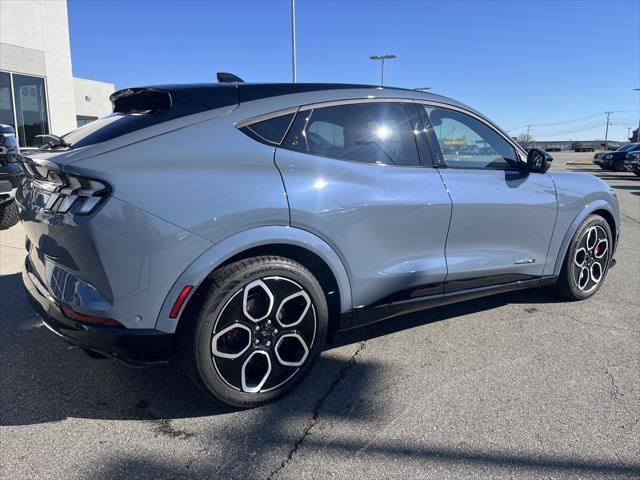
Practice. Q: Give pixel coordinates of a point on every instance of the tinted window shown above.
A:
(468, 143)
(365, 132)
(269, 131)
(6, 102)
(31, 109)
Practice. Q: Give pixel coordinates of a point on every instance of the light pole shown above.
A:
(382, 58)
(638, 131)
(293, 39)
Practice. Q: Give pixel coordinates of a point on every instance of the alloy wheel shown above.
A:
(591, 258)
(263, 334)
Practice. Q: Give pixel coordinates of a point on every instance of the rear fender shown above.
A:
(206, 263)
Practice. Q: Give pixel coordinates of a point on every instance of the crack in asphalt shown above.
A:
(316, 411)
(617, 395)
(571, 317)
(630, 218)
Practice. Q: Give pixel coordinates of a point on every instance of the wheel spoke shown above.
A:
(293, 309)
(254, 374)
(583, 278)
(592, 238)
(231, 342)
(580, 257)
(291, 350)
(257, 301)
(596, 271)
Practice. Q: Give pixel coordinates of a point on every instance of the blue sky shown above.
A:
(562, 63)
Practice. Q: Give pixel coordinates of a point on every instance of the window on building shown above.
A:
(31, 109)
(82, 120)
(6, 102)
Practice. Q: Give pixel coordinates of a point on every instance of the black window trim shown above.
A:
(423, 162)
(520, 153)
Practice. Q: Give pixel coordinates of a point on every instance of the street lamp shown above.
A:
(293, 41)
(382, 58)
(638, 131)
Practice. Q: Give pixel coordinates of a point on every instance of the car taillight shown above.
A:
(64, 192)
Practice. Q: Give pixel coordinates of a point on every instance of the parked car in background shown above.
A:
(598, 156)
(615, 160)
(237, 227)
(632, 162)
(9, 177)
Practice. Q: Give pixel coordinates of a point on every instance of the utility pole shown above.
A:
(528, 136)
(382, 58)
(293, 40)
(628, 134)
(606, 132)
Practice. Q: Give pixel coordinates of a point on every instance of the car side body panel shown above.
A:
(209, 179)
(387, 223)
(501, 226)
(217, 254)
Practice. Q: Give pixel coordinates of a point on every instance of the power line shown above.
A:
(575, 120)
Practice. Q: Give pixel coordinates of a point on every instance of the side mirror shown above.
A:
(538, 160)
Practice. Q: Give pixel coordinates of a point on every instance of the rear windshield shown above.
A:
(111, 126)
(141, 108)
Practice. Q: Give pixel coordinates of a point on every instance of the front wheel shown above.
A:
(587, 260)
(260, 328)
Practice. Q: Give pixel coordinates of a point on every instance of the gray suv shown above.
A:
(237, 227)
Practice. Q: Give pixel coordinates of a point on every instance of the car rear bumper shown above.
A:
(136, 347)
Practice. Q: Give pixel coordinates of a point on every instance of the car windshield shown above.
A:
(628, 146)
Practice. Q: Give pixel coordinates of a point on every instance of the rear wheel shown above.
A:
(9, 215)
(587, 260)
(260, 328)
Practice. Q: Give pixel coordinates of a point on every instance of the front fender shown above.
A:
(588, 209)
(217, 254)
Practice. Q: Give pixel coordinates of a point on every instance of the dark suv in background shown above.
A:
(9, 174)
(615, 160)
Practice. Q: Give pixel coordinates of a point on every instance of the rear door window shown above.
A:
(379, 133)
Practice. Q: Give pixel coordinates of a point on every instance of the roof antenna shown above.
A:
(224, 77)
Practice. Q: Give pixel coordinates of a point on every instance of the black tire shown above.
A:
(224, 378)
(572, 275)
(9, 215)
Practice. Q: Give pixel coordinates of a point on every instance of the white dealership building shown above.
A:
(38, 92)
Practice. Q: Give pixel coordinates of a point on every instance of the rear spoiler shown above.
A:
(173, 100)
(140, 101)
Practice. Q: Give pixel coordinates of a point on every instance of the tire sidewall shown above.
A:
(591, 221)
(214, 305)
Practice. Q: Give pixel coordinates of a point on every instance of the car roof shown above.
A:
(210, 93)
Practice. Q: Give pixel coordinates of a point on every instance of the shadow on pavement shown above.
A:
(46, 380)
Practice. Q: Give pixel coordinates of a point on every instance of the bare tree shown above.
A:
(525, 140)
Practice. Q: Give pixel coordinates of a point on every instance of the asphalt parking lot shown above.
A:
(521, 385)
